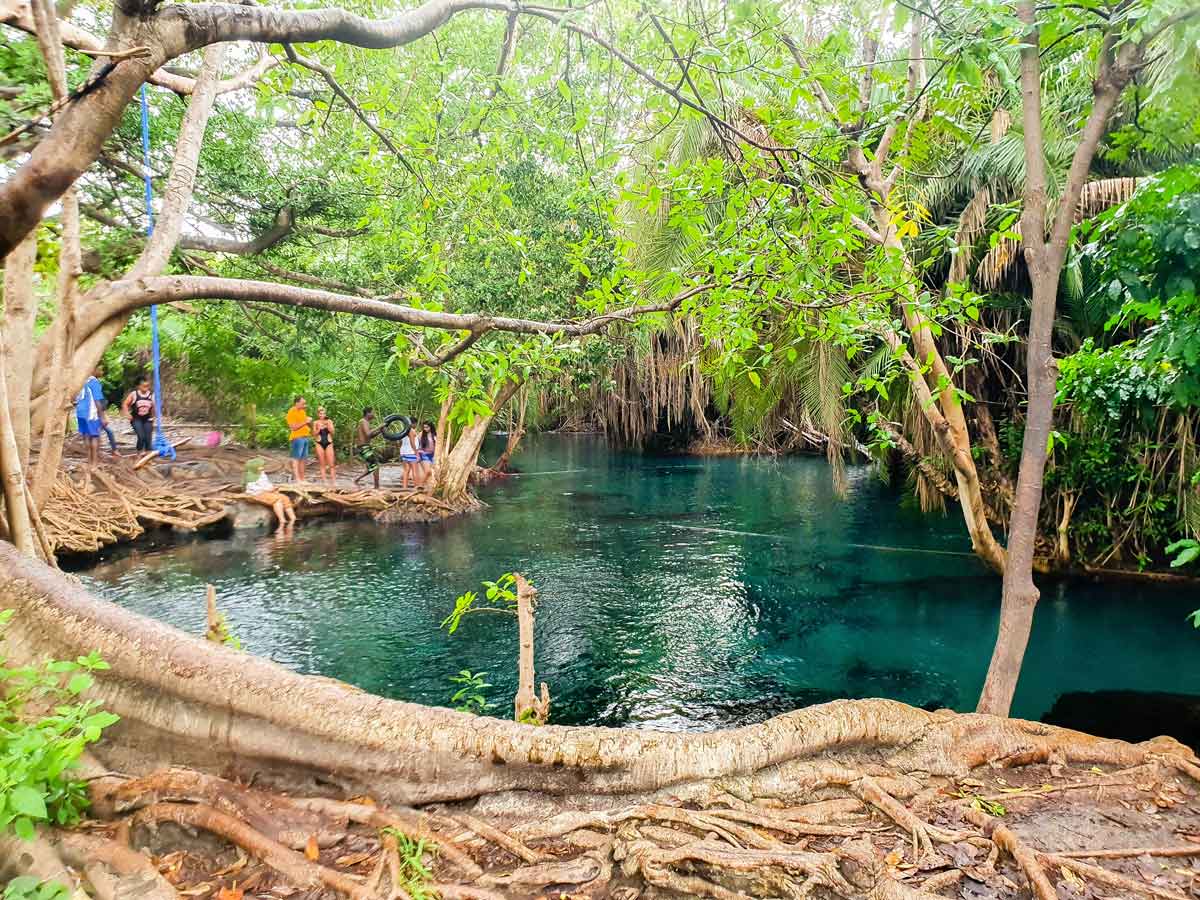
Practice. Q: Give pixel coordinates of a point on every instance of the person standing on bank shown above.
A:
(363, 448)
(410, 475)
(139, 406)
(323, 435)
(299, 424)
(89, 415)
(426, 447)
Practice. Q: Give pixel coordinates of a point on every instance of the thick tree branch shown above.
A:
(433, 360)
(284, 225)
(181, 183)
(191, 26)
(130, 294)
(19, 14)
(818, 90)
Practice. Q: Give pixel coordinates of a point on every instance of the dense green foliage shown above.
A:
(1126, 453)
(37, 750)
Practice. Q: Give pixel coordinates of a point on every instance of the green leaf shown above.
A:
(27, 801)
(80, 683)
(1186, 556)
(754, 379)
(24, 829)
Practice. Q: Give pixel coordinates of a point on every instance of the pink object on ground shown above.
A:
(213, 439)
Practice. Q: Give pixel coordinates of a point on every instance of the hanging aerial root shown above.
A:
(293, 866)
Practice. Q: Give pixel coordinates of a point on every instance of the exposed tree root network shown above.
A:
(90, 509)
(300, 787)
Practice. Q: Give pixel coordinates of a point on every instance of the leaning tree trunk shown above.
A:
(75, 351)
(515, 433)
(16, 504)
(452, 475)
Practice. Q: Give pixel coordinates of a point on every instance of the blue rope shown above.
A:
(161, 444)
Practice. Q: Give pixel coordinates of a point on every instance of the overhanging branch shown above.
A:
(127, 295)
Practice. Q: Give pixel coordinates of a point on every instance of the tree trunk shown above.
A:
(453, 473)
(20, 312)
(515, 433)
(56, 403)
(528, 707)
(16, 506)
(928, 372)
(1063, 550)
(1045, 261)
(75, 355)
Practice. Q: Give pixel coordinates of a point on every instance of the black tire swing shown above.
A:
(398, 434)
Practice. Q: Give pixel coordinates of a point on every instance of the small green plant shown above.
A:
(26, 887)
(414, 875)
(499, 593)
(218, 630)
(36, 754)
(991, 807)
(471, 696)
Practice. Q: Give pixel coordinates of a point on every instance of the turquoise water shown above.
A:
(676, 593)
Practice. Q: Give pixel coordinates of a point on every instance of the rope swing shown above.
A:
(161, 444)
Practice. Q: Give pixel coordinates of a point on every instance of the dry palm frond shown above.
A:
(998, 260)
(971, 224)
(1097, 196)
(658, 381)
(1001, 121)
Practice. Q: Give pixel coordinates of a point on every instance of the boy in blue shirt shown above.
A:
(89, 415)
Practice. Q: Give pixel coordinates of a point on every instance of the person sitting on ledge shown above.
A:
(261, 490)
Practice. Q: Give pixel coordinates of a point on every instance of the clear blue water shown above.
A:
(676, 593)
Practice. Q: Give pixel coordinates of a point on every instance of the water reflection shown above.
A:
(680, 594)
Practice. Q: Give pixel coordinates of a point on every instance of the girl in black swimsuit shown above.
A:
(323, 429)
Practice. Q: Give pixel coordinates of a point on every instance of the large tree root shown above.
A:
(292, 865)
(736, 849)
(843, 800)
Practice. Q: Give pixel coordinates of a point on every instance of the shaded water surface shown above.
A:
(675, 594)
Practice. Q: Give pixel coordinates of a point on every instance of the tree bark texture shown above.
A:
(16, 505)
(528, 707)
(20, 312)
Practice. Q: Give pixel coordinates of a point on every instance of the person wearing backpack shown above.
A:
(139, 406)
